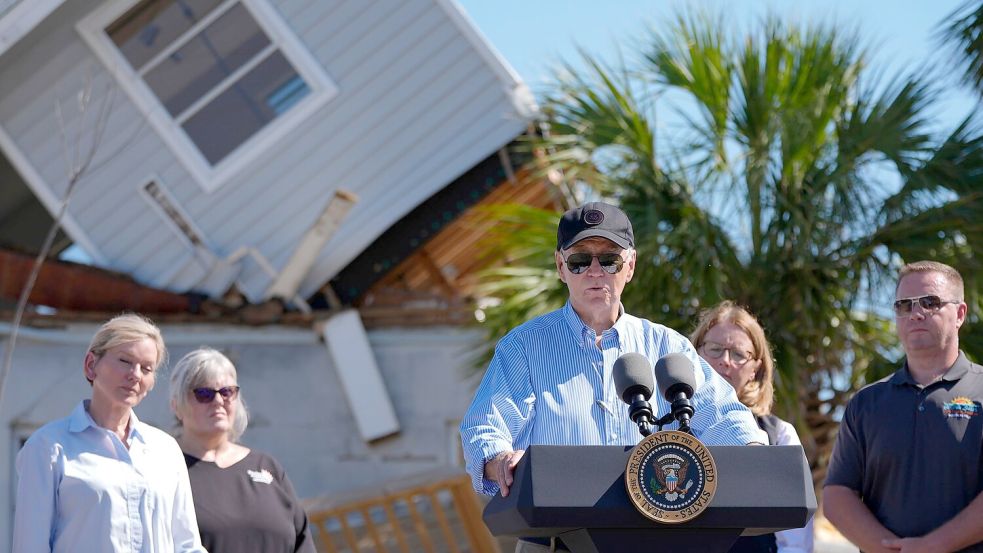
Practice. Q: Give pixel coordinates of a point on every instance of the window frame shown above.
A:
(210, 177)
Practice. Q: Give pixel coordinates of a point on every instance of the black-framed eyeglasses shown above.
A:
(207, 395)
(930, 302)
(714, 350)
(611, 263)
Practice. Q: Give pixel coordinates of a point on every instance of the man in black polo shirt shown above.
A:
(906, 468)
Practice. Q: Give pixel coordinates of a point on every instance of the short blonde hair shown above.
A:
(125, 329)
(196, 369)
(951, 275)
(759, 393)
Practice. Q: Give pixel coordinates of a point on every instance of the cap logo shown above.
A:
(593, 217)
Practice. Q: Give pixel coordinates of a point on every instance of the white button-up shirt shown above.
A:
(81, 489)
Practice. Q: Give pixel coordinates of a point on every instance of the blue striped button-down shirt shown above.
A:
(549, 383)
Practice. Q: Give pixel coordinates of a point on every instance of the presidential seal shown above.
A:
(671, 477)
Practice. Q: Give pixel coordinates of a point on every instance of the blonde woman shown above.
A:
(101, 480)
(734, 344)
(244, 501)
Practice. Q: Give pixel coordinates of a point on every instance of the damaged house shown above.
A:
(290, 181)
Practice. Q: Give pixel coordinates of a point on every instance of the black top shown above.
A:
(249, 507)
(912, 452)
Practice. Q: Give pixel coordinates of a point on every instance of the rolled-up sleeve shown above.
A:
(503, 406)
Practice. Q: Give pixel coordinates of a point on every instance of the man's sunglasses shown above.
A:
(928, 303)
(579, 262)
(207, 395)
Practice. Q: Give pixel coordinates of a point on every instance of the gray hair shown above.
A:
(196, 369)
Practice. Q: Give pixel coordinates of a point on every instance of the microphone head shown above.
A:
(632, 376)
(675, 375)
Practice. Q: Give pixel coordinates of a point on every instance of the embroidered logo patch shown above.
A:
(960, 408)
(262, 476)
(593, 217)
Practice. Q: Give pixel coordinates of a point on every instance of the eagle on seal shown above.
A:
(671, 472)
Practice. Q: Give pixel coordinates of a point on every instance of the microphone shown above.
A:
(676, 379)
(633, 379)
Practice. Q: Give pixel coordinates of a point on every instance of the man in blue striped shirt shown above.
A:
(550, 381)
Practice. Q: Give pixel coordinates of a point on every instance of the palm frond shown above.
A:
(778, 196)
(964, 36)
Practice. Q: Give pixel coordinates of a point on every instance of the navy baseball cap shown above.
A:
(594, 219)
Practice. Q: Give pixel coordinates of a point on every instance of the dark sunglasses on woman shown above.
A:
(207, 395)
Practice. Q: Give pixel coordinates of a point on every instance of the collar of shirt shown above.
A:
(145, 501)
(586, 334)
(958, 370)
(80, 420)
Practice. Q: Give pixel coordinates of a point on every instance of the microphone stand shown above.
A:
(681, 411)
(640, 412)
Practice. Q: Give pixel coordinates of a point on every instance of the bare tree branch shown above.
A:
(77, 164)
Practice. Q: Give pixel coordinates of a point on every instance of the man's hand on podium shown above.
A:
(500, 468)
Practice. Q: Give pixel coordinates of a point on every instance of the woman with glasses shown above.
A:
(244, 501)
(101, 480)
(734, 344)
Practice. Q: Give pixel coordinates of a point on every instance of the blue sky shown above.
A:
(900, 36)
(533, 35)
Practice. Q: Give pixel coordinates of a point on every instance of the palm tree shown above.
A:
(962, 31)
(797, 186)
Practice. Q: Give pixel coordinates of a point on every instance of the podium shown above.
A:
(577, 493)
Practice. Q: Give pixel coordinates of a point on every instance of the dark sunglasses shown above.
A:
(579, 262)
(207, 395)
(928, 303)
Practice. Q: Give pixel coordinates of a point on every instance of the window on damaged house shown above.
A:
(217, 77)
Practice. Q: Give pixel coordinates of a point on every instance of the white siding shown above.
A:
(418, 105)
(48, 70)
(6, 5)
